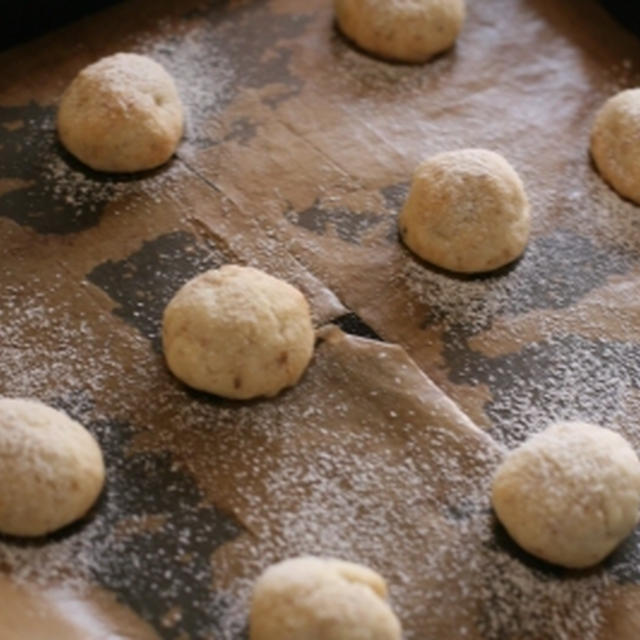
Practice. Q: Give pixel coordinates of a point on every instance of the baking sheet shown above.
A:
(296, 159)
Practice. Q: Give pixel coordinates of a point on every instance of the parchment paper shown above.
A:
(297, 157)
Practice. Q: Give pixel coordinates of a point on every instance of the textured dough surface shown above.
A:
(615, 143)
(121, 114)
(238, 332)
(51, 468)
(403, 30)
(467, 211)
(570, 494)
(310, 598)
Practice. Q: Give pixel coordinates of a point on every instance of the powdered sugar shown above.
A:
(203, 75)
(328, 467)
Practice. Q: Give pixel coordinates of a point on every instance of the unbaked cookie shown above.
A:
(467, 211)
(51, 469)
(238, 332)
(310, 598)
(615, 143)
(403, 30)
(121, 114)
(570, 494)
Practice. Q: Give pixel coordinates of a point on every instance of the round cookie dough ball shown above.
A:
(467, 211)
(121, 114)
(310, 598)
(51, 469)
(238, 332)
(570, 494)
(615, 143)
(403, 30)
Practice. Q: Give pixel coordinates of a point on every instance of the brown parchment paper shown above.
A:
(296, 159)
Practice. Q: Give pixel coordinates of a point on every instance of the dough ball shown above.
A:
(615, 143)
(570, 494)
(311, 598)
(238, 332)
(467, 211)
(404, 30)
(52, 469)
(121, 114)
